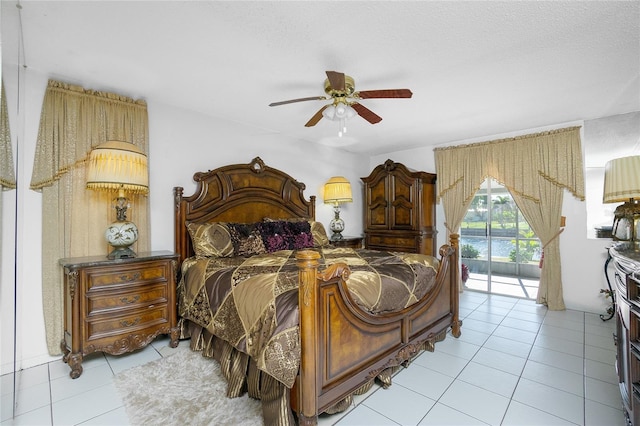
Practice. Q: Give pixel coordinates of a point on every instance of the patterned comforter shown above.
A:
(252, 303)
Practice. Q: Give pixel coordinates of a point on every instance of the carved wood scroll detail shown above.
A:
(257, 165)
(336, 270)
(174, 267)
(404, 356)
(127, 344)
(72, 280)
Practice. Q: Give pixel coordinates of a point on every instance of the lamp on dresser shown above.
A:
(122, 167)
(622, 184)
(337, 190)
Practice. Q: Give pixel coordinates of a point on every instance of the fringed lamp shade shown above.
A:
(115, 166)
(622, 184)
(336, 191)
(119, 166)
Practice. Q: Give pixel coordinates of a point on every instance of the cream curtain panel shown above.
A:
(74, 120)
(7, 171)
(536, 169)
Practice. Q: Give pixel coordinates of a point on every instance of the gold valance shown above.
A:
(105, 116)
(516, 163)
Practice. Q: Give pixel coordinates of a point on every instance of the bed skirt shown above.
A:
(243, 376)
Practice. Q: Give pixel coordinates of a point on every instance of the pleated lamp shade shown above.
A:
(622, 180)
(337, 190)
(117, 165)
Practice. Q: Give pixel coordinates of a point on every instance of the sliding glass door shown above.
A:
(500, 253)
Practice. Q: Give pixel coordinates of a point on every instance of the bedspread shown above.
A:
(252, 303)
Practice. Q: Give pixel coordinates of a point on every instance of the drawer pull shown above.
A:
(130, 300)
(126, 278)
(127, 323)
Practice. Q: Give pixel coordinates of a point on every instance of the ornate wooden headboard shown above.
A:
(242, 193)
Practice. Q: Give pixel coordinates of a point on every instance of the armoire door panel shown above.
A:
(376, 196)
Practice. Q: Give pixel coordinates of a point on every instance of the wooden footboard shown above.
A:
(344, 347)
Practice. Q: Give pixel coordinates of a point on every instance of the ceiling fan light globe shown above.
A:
(350, 112)
(329, 112)
(341, 110)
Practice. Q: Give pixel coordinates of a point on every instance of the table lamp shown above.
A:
(122, 167)
(337, 190)
(622, 184)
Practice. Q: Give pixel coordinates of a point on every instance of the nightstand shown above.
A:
(346, 241)
(117, 306)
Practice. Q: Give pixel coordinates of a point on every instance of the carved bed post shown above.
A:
(455, 287)
(178, 226)
(307, 261)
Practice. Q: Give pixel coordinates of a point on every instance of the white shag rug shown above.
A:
(183, 389)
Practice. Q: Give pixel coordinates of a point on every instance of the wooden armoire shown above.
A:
(400, 210)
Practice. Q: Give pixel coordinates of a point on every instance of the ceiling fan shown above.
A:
(340, 88)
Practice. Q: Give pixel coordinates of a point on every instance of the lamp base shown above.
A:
(336, 236)
(121, 235)
(626, 221)
(336, 225)
(121, 253)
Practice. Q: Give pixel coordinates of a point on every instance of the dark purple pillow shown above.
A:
(299, 235)
(285, 235)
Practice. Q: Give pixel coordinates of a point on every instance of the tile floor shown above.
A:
(504, 285)
(516, 363)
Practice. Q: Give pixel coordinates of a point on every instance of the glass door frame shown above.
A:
(519, 250)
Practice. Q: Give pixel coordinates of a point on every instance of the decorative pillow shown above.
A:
(299, 234)
(319, 234)
(274, 235)
(286, 235)
(320, 238)
(210, 239)
(246, 239)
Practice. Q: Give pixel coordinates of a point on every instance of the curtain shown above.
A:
(536, 169)
(74, 120)
(7, 172)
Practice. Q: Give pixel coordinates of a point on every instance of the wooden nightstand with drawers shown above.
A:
(117, 306)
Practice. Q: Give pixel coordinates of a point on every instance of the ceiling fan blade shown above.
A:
(316, 117)
(389, 93)
(336, 79)
(366, 113)
(290, 101)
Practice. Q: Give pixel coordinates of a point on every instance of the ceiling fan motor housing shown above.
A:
(349, 88)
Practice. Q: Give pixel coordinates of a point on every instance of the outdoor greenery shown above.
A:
(527, 248)
(468, 251)
(506, 222)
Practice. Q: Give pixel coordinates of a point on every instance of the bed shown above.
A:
(316, 342)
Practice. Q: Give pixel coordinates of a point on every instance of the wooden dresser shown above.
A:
(117, 306)
(399, 209)
(626, 260)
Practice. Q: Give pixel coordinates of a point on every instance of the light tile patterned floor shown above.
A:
(516, 363)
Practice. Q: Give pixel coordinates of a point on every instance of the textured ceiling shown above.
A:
(475, 68)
